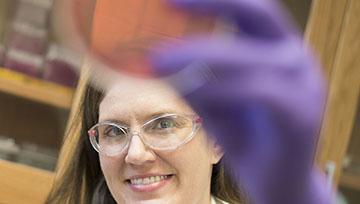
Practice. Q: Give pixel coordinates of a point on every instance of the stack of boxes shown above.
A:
(27, 153)
(26, 46)
(59, 66)
(27, 37)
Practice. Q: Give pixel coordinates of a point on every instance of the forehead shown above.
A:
(140, 99)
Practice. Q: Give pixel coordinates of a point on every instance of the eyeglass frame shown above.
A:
(196, 121)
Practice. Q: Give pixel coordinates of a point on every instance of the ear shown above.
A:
(216, 152)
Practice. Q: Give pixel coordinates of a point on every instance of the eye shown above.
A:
(165, 123)
(114, 131)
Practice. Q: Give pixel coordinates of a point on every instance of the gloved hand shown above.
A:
(261, 95)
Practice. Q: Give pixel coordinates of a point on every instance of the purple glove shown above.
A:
(260, 94)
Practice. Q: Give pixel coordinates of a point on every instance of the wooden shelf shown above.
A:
(350, 180)
(38, 90)
(23, 184)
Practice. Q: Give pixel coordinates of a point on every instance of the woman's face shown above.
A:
(179, 176)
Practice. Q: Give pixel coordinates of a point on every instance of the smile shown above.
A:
(147, 180)
(149, 183)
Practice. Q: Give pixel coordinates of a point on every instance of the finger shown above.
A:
(226, 53)
(257, 18)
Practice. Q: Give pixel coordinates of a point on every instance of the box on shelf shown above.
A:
(27, 153)
(37, 156)
(27, 38)
(8, 148)
(45, 4)
(32, 13)
(24, 62)
(60, 66)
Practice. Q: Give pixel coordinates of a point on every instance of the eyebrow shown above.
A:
(142, 119)
(118, 122)
(157, 114)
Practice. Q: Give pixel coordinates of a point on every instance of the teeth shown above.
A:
(147, 180)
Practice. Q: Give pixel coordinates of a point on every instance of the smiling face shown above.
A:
(140, 174)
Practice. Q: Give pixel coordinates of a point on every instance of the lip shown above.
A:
(149, 187)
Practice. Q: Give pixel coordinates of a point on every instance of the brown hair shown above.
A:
(79, 177)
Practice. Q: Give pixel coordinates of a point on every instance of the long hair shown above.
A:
(79, 177)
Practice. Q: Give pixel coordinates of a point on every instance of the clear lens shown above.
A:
(167, 132)
(110, 138)
(162, 133)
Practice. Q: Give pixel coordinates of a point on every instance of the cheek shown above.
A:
(192, 158)
(110, 167)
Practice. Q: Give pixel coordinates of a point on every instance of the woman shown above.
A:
(193, 169)
(259, 93)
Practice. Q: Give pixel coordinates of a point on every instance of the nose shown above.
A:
(138, 153)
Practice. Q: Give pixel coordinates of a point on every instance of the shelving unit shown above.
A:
(35, 89)
(33, 116)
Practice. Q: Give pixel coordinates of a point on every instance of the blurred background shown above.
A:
(38, 82)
